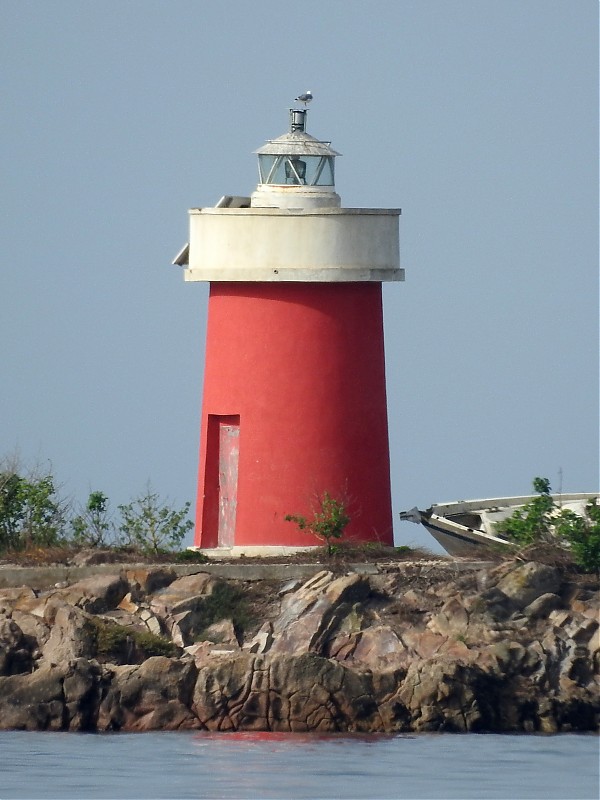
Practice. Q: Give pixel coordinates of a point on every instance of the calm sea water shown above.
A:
(264, 766)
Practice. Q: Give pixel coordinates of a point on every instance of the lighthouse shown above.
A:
(294, 397)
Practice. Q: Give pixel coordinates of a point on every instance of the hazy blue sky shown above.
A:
(479, 118)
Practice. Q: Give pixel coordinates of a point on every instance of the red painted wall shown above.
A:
(302, 365)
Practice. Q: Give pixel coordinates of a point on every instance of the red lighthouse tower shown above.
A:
(294, 401)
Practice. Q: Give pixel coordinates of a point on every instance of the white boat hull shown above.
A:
(468, 525)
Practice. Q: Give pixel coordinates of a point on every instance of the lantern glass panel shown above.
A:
(301, 170)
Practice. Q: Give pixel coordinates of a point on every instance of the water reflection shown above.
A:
(294, 739)
(276, 764)
(297, 766)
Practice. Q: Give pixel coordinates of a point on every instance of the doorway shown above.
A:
(229, 454)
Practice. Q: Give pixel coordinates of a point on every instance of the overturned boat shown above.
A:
(462, 526)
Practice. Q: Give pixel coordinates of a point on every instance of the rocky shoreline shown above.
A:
(512, 647)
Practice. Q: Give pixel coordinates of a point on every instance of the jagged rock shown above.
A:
(82, 690)
(15, 654)
(311, 615)
(185, 630)
(262, 640)
(542, 605)
(181, 607)
(43, 607)
(63, 697)
(184, 590)
(581, 629)
(96, 594)
(560, 617)
(297, 602)
(459, 651)
(511, 657)
(198, 651)
(588, 606)
(137, 613)
(343, 641)
(152, 622)
(282, 693)
(140, 619)
(594, 649)
(16, 593)
(446, 697)
(189, 626)
(342, 646)
(526, 583)
(125, 619)
(222, 632)
(425, 644)
(129, 604)
(33, 702)
(492, 603)
(289, 586)
(415, 599)
(377, 648)
(147, 581)
(451, 620)
(221, 689)
(397, 651)
(72, 636)
(181, 627)
(35, 630)
(11, 596)
(155, 695)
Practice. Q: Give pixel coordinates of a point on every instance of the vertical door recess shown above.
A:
(229, 452)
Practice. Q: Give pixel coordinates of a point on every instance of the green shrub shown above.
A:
(192, 557)
(152, 526)
(583, 534)
(532, 523)
(226, 602)
(128, 645)
(93, 526)
(328, 521)
(31, 514)
(542, 521)
(153, 645)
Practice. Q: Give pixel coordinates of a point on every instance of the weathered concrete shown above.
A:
(324, 245)
(47, 577)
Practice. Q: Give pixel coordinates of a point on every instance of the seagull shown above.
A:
(305, 98)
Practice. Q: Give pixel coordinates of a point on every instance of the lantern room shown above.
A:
(296, 170)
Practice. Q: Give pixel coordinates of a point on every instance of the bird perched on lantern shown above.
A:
(304, 98)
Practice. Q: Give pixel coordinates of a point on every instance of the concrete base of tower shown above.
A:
(250, 551)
